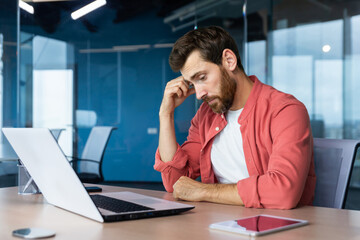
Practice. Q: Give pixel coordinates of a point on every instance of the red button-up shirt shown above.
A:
(278, 148)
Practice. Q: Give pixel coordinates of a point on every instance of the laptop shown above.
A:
(61, 187)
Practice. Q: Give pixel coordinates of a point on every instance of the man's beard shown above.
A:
(227, 93)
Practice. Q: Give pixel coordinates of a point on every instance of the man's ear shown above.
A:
(229, 60)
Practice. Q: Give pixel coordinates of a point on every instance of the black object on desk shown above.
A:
(93, 189)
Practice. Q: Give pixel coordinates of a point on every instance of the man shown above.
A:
(251, 144)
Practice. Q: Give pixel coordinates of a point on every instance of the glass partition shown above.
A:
(8, 63)
(8, 87)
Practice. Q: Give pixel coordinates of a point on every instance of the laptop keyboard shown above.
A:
(117, 205)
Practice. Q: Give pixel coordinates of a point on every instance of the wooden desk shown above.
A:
(32, 211)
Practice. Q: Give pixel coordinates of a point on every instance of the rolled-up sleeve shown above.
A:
(185, 161)
(281, 185)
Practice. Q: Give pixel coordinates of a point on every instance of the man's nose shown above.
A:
(200, 93)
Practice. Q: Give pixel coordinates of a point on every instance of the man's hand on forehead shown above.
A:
(176, 91)
(189, 84)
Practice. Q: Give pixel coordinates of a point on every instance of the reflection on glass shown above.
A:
(263, 223)
(257, 59)
(302, 68)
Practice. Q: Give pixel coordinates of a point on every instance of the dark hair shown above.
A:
(210, 42)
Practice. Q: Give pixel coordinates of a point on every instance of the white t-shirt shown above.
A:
(227, 152)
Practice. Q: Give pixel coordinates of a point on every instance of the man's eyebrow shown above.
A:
(194, 76)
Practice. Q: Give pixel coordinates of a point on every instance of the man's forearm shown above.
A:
(167, 138)
(222, 193)
(176, 91)
(190, 190)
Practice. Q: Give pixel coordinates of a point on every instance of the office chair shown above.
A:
(89, 166)
(334, 159)
(56, 132)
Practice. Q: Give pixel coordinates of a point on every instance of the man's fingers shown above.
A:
(175, 81)
(179, 87)
(175, 195)
(174, 90)
(184, 88)
(179, 92)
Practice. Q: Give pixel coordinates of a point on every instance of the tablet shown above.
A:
(258, 225)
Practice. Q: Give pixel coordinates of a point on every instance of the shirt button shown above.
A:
(217, 128)
(222, 115)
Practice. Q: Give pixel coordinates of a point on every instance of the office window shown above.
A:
(257, 59)
(53, 103)
(307, 62)
(296, 70)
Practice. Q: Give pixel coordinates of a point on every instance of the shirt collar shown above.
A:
(251, 101)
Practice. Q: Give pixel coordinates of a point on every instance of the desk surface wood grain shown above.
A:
(17, 211)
